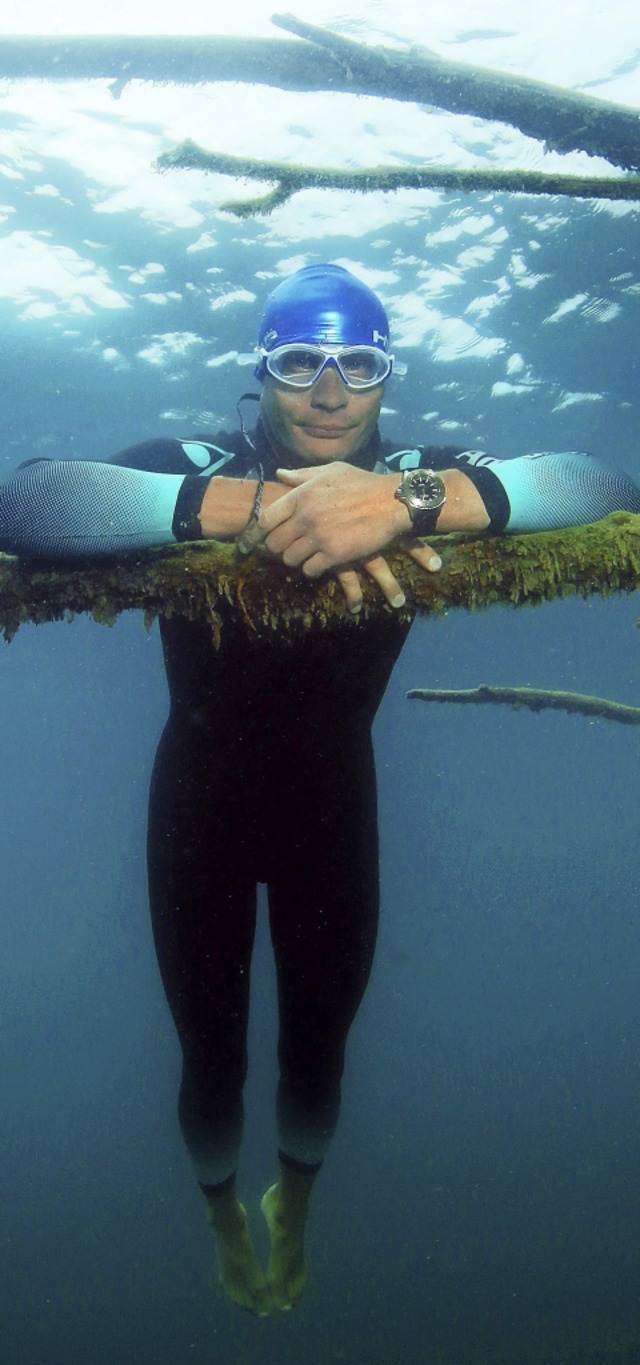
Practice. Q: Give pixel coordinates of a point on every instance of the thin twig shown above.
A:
(534, 699)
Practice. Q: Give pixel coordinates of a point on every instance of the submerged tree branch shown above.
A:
(291, 179)
(179, 60)
(564, 119)
(534, 699)
(210, 581)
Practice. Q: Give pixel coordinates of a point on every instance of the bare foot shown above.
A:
(287, 1271)
(238, 1268)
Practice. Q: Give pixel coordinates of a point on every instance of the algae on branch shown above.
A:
(208, 580)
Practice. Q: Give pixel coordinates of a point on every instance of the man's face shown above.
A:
(323, 423)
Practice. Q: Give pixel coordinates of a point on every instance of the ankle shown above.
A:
(292, 1195)
(225, 1213)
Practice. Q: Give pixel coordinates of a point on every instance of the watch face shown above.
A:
(425, 489)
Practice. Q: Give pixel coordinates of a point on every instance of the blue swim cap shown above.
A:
(323, 305)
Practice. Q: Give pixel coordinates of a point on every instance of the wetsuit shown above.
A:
(265, 773)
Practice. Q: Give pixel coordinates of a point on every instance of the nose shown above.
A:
(329, 392)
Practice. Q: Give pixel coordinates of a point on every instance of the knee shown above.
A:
(311, 1072)
(213, 1078)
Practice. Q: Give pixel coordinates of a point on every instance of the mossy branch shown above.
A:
(290, 179)
(208, 580)
(534, 699)
(564, 119)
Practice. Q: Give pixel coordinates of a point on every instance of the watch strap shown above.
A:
(424, 519)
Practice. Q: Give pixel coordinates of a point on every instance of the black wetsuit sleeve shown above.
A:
(145, 496)
(541, 492)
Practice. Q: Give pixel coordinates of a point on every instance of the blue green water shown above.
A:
(480, 1205)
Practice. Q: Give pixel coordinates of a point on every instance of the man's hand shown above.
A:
(334, 517)
(376, 567)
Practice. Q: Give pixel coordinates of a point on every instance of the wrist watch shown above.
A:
(423, 494)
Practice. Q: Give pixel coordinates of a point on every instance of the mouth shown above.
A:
(325, 432)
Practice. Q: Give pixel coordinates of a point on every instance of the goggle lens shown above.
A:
(359, 367)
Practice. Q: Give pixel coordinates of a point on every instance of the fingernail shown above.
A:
(399, 600)
(355, 608)
(435, 562)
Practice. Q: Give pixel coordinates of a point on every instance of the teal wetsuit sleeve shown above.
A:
(70, 508)
(550, 491)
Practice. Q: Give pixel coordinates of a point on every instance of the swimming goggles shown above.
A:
(359, 367)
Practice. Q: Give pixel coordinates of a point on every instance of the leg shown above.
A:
(203, 910)
(324, 915)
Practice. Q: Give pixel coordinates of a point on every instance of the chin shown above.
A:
(325, 456)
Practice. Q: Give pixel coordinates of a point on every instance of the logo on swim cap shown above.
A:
(322, 305)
